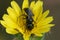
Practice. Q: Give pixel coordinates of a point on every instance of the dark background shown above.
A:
(52, 5)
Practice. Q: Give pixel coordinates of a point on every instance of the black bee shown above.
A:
(29, 19)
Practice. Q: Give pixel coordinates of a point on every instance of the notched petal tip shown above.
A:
(40, 3)
(50, 18)
(16, 7)
(47, 20)
(8, 8)
(4, 24)
(25, 4)
(11, 13)
(47, 11)
(32, 5)
(52, 25)
(13, 2)
(45, 14)
(37, 9)
(9, 21)
(0, 21)
(5, 16)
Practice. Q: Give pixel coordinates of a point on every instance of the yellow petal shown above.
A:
(37, 9)
(44, 30)
(12, 13)
(39, 31)
(20, 30)
(39, 17)
(32, 5)
(16, 7)
(45, 14)
(36, 32)
(25, 4)
(45, 26)
(9, 21)
(11, 31)
(26, 36)
(42, 16)
(4, 24)
(45, 21)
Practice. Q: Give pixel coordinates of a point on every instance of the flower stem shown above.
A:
(19, 36)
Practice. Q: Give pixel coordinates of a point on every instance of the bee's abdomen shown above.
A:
(29, 25)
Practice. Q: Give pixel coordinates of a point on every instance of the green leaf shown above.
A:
(33, 37)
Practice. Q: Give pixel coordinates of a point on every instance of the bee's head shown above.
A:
(28, 11)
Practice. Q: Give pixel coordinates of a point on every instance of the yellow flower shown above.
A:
(14, 22)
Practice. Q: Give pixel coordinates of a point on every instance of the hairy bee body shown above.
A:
(29, 19)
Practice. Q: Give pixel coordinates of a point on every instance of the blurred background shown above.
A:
(52, 5)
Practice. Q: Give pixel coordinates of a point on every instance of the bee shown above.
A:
(29, 19)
